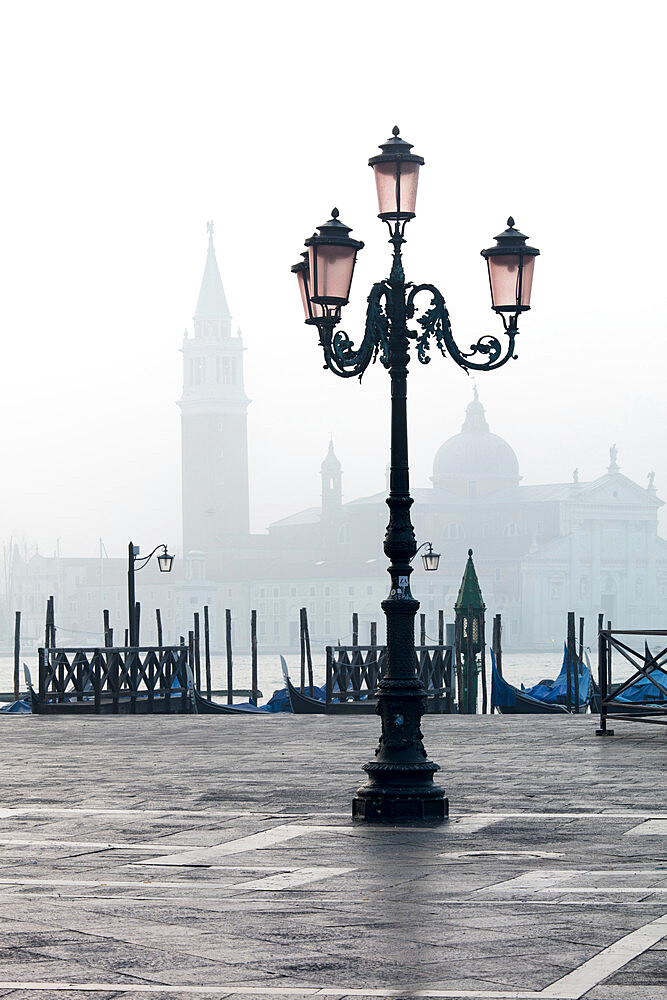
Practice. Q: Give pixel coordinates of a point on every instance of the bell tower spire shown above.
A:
(213, 421)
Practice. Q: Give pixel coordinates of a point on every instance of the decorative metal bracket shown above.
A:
(339, 352)
(344, 360)
(435, 322)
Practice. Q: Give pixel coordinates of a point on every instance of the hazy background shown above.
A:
(127, 125)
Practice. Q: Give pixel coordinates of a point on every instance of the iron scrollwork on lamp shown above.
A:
(400, 785)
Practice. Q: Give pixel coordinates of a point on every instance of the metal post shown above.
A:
(602, 679)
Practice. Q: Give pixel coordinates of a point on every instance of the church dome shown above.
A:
(475, 462)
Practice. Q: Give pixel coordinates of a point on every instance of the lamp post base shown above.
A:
(400, 799)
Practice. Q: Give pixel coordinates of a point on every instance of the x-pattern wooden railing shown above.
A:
(115, 673)
(353, 672)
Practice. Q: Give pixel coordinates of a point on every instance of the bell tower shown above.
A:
(214, 437)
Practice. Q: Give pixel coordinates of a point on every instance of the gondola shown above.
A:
(205, 707)
(303, 704)
(509, 700)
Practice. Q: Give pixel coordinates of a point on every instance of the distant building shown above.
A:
(540, 551)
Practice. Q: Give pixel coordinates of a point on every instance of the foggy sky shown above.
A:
(128, 125)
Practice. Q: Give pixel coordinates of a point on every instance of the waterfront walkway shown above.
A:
(211, 857)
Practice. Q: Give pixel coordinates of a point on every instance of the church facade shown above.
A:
(540, 551)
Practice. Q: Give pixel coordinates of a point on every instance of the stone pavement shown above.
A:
(211, 857)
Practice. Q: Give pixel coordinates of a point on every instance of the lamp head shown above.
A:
(511, 263)
(396, 171)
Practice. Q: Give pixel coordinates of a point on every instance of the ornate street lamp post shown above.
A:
(134, 560)
(400, 779)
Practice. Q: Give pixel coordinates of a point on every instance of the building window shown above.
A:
(327, 591)
(226, 371)
(276, 628)
(327, 607)
(312, 592)
(262, 628)
(511, 530)
(350, 591)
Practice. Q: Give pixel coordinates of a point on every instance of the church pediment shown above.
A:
(618, 489)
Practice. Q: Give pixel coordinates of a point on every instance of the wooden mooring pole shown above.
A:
(496, 644)
(17, 654)
(254, 693)
(569, 658)
(309, 659)
(482, 647)
(197, 651)
(207, 652)
(441, 628)
(158, 624)
(302, 642)
(355, 629)
(105, 619)
(230, 665)
(422, 630)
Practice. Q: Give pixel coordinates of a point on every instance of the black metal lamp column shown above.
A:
(165, 562)
(400, 779)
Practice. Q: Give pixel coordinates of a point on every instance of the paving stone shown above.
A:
(419, 908)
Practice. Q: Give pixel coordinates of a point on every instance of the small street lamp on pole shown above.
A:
(400, 779)
(165, 562)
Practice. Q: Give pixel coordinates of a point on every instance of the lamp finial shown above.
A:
(510, 222)
(395, 130)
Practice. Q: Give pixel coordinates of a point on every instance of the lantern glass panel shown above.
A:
(386, 184)
(504, 273)
(335, 265)
(164, 562)
(311, 308)
(431, 560)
